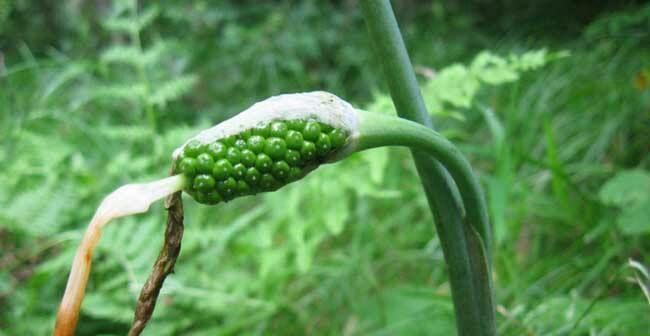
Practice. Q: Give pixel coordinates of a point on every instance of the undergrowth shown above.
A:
(558, 148)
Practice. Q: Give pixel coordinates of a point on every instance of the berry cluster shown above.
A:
(256, 160)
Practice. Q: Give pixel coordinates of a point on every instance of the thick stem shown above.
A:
(462, 247)
(379, 130)
(126, 200)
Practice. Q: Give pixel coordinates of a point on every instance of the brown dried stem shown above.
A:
(164, 264)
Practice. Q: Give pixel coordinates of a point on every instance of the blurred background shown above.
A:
(550, 100)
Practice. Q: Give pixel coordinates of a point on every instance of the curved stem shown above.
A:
(378, 130)
(127, 200)
(464, 252)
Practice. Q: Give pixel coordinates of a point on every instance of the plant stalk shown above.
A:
(467, 254)
(378, 130)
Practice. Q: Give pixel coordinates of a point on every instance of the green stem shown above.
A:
(378, 130)
(466, 253)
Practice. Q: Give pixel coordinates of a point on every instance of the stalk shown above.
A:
(127, 200)
(376, 130)
(466, 252)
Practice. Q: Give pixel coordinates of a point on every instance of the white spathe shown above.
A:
(318, 105)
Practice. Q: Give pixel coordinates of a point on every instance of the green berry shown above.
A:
(204, 163)
(213, 198)
(248, 157)
(187, 166)
(239, 171)
(203, 182)
(325, 128)
(222, 169)
(246, 134)
(243, 188)
(252, 176)
(229, 140)
(263, 131)
(275, 148)
(227, 187)
(296, 124)
(338, 138)
(263, 163)
(295, 173)
(311, 131)
(193, 148)
(256, 143)
(323, 145)
(292, 157)
(278, 129)
(233, 155)
(240, 144)
(281, 170)
(294, 139)
(258, 159)
(268, 182)
(200, 197)
(218, 150)
(308, 151)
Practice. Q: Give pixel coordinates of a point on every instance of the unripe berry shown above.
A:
(233, 155)
(240, 144)
(275, 148)
(281, 170)
(338, 138)
(204, 163)
(292, 157)
(227, 187)
(218, 150)
(311, 131)
(187, 166)
(323, 145)
(203, 182)
(256, 143)
(193, 148)
(263, 163)
(253, 176)
(308, 151)
(239, 171)
(248, 157)
(222, 169)
(294, 139)
(278, 129)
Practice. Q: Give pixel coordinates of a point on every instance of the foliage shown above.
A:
(630, 191)
(457, 85)
(560, 146)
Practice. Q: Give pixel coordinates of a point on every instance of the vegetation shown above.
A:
(556, 124)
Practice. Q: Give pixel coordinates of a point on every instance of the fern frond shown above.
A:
(172, 90)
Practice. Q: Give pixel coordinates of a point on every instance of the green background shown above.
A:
(550, 102)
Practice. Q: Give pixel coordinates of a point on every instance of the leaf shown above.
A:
(455, 85)
(635, 219)
(122, 54)
(493, 69)
(626, 188)
(172, 90)
(377, 162)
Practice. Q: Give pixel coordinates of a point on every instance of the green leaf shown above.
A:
(455, 85)
(635, 219)
(628, 187)
(493, 69)
(171, 90)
